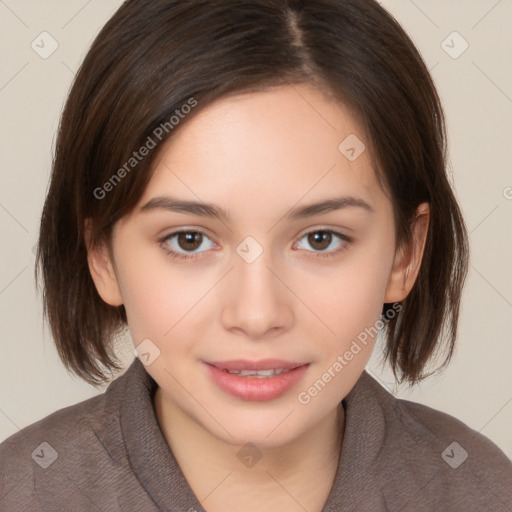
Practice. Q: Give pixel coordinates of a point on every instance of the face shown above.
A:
(269, 278)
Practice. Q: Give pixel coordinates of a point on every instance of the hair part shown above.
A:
(151, 58)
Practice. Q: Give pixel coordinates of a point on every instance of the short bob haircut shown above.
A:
(153, 59)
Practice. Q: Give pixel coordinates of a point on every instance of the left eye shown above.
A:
(320, 240)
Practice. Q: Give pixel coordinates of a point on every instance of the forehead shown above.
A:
(278, 145)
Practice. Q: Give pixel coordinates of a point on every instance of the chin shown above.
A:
(265, 430)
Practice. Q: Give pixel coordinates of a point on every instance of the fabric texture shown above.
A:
(108, 453)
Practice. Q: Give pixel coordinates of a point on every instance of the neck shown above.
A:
(303, 469)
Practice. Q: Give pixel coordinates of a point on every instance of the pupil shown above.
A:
(185, 239)
(319, 237)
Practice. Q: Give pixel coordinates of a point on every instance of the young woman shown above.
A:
(256, 189)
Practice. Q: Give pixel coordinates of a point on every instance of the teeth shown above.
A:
(257, 373)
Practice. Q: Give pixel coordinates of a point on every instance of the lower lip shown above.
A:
(255, 388)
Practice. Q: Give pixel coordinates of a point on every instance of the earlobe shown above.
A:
(407, 261)
(102, 272)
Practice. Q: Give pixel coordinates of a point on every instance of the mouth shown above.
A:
(262, 374)
(256, 380)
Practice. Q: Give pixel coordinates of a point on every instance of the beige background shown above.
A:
(476, 89)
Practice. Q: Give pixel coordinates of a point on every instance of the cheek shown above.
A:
(350, 304)
(166, 301)
(153, 296)
(350, 298)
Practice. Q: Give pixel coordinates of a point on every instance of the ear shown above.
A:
(408, 259)
(101, 267)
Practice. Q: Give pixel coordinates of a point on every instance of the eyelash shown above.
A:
(184, 256)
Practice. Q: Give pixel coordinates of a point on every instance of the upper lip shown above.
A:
(262, 364)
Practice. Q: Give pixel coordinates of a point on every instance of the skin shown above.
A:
(258, 155)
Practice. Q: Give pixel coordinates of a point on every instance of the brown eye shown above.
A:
(325, 242)
(186, 244)
(189, 241)
(320, 240)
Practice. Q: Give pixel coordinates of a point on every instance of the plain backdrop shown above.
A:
(475, 85)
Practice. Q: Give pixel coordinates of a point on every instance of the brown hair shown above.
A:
(152, 58)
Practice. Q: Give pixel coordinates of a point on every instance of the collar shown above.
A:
(159, 473)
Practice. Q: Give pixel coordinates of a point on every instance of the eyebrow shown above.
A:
(214, 211)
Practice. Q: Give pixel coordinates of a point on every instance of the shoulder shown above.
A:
(67, 425)
(45, 460)
(431, 428)
(442, 457)
(70, 420)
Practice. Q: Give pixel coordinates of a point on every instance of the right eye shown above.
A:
(183, 243)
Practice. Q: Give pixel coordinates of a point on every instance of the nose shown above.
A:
(257, 304)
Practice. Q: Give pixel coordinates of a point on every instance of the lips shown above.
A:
(256, 380)
(262, 364)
